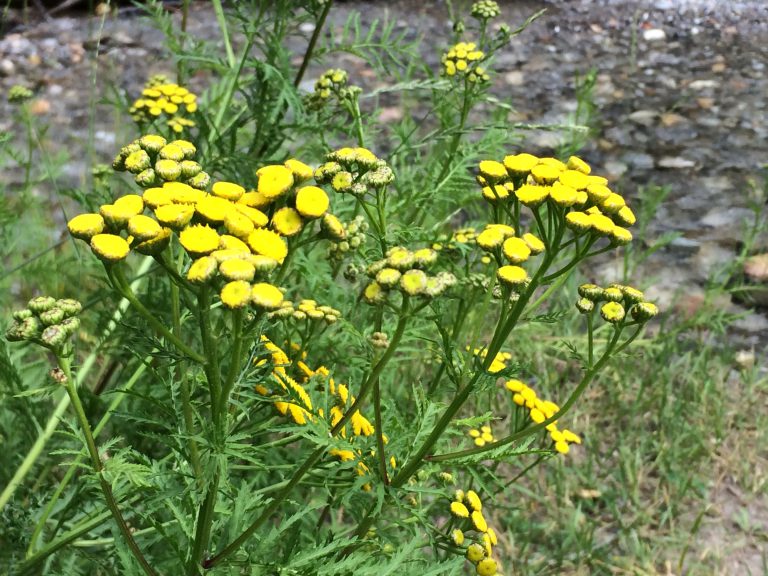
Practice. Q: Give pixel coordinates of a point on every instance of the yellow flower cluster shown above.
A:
(164, 100)
(224, 231)
(467, 510)
(482, 436)
(591, 207)
(299, 406)
(307, 310)
(463, 59)
(403, 270)
(499, 361)
(540, 410)
(354, 171)
(617, 299)
(333, 82)
(153, 160)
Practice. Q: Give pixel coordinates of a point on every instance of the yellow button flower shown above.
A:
(155, 197)
(236, 294)
(109, 247)
(545, 174)
(576, 163)
(535, 245)
(625, 216)
(214, 209)
(475, 553)
(116, 218)
(495, 193)
(486, 567)
(266, 296)
(175, 216)
(612, 312)
(287, 221)
(300, 171)
(268, 243)
(563, 195)
(228, 190)
(492, 170)
(514, 276)
(238, 224)
(374, 293)
(574, 179)
(199, 240)
(312, 202)
(237, 269)
(274, 180)
(516, 250)
(459, 510)
(202, 270)
(530, 195)
(183, 193)
(227, 242)
(254, 199)
(520, 164)
(86, 226)
(413, 282)
(143, 227)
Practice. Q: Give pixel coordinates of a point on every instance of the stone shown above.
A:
(7, 67)
(675, 163)
(644, 117)
(514, 78)
(756, 268)
(703, 85)
(654, 35)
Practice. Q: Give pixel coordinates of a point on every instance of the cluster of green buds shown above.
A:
(153, 160)
(306, 310)
(379, 340)
(18, 94)
(463, 60)
(46, 321)
(163, 99)
(333, 83)
(354, 171)
(485, 10)
(615, 300)
(467, 511)
(403, 270)
(348, 239)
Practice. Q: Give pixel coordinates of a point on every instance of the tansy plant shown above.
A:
(314, 369)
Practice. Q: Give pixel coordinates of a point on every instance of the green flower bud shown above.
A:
(644, 311)
(152, 143)
(52, 316)
(591, 291)
(612, 312)
(69, 306)
(168, 170)
(20, 315)
(13, 333)
(171, 152)
(632, 295)
(613, 294)
(54, 336)
(146, 179)
(29, 328)
(585, 305)
(41, 304)
(190, 169)
(200, 181)
(18, 94)
(187, 147)
(137, 162)
(70, 325)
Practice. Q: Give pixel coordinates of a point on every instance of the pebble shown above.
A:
(654, 35)
(7, 67)
(675, 163)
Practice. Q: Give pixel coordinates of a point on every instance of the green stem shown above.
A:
(222, 20)
(234, 361)
(312, 42)
(318, 453)
(50, 428)
(204, 523)
(64, 482)
(118, 280)
(98, 468)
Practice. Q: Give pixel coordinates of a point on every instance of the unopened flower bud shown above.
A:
(70, 325)
(146, 179)
(168, 170)
(190, 169)
(644, 311)
(41, 304)
(591, 291)
(20, 315)
(137, 162)
(54, 336)
(52, 316)
(585, 305)
(201, 181)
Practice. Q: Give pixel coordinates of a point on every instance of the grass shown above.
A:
(672, 476)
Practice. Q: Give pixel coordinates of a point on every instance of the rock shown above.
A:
(705, 103)
(644, 117)
(390, 114)
(751, 323)
(7, 67)
(675, 163)
(756, 268)
(40, 106)
(654, 35)
(703, 85)
(614, 169)
(670, 119)
(514, 78)
(307, 27)
(745, 359)
(638, 160)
